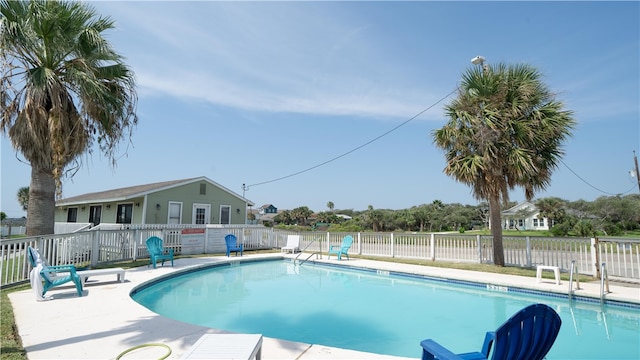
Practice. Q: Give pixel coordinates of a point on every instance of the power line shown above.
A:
(354, 149)
(586, 182)
(246, 187)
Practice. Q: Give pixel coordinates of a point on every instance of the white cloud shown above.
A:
(249, 57)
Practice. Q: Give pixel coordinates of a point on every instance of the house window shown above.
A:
(175, 213)
(225, 214)
(203, 189)
(124, 214)
(72, 214)
(542, 222)
(535, 222)
(520, 222)
(94, 214)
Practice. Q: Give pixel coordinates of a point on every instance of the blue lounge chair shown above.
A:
(157, 252)
(54, 275)
(527, 335)
(232, 245)
(342, 249)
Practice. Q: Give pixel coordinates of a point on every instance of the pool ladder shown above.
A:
(300, 262)
(604, 282)
(574, 270)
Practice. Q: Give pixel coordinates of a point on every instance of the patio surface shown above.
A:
(106, 321)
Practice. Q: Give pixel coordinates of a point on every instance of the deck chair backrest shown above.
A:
(293, 240)
(154, 245)
(35, 258)
(231, 241)
(346, 242)
(528, 334)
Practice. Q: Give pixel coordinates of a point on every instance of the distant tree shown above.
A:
(301, 214)
(284, 217)
(63, 88)
(2, 215)
(327, 217)
(23, 197)
(374, 218)
(505, 129)
(552, 208)
(421, 216)
(584, 228)
(330, 206)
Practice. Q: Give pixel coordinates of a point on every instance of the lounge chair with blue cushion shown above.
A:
(527, 335)
(232, 245)
(157, 252)
(341, 249)
(53, 276)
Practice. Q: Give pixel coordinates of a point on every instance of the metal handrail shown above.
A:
(305, 248)
(574, 269)
(604, 282)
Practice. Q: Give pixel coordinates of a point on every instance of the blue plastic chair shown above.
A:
(157, 252)
(232, 245)
(527, 335)
(54, 275)
(342, 249)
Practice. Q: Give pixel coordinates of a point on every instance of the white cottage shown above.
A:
(524, 216)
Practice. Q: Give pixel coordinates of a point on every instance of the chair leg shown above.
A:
(79, 287)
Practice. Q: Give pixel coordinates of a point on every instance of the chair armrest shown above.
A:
(169, 251)
(60, 268)
(431, 350)
(489, 338)
(334, 247)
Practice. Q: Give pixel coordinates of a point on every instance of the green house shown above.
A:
(187, 201)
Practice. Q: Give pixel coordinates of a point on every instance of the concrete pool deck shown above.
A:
(106, 321)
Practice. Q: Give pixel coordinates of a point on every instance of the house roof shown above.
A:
(267, 217)
(525, 206)
(137, 191)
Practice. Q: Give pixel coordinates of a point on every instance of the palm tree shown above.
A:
(301, 214)
(23, 197)
(330, 205)
(63, 87)
(505, 129)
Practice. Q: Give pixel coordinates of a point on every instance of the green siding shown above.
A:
(189, 195)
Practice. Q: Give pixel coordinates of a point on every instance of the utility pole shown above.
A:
(635, 159)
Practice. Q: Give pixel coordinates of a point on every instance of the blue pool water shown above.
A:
(378, 312)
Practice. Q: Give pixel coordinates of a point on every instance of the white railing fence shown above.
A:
(7, 231)
(109, 243)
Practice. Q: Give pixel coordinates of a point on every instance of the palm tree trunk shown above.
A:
(41, 210)
(496, 230)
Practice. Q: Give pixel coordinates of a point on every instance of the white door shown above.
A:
(201, 214)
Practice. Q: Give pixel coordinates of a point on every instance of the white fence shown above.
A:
(12, 230)
(113, 244)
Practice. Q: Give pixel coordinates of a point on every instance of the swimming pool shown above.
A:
(377, 311)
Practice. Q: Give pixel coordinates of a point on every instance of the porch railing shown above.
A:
(87, 249)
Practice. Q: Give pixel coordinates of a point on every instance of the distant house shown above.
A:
(187, 201)
(267, 209)
(524, 216)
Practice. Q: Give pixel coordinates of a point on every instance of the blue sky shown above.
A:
(250, 92)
